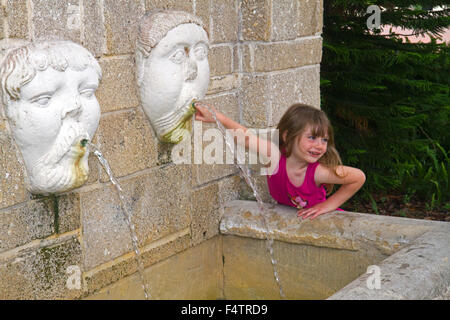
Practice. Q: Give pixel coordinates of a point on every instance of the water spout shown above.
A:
(244, 172)
(126, 212)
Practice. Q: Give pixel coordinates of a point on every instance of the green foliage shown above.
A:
(389, 100)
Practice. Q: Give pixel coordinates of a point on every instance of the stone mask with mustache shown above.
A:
(49, 92)
(172, 70)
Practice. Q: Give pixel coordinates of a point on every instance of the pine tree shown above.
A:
(388, 99)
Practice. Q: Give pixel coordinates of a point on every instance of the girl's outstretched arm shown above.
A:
(351, 180)
(241, 133)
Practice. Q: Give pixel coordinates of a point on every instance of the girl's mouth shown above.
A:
(314, 154)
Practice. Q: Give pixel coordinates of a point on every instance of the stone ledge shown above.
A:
(424, 264)
(340, 230)
(416, 264)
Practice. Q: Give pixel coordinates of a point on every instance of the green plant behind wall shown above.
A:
(388, 100)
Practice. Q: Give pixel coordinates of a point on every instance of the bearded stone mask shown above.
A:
(172, 70)
(49, 93)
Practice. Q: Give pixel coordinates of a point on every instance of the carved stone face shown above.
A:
(175, 73)
(53, 113)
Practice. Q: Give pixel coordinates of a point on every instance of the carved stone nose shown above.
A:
(72, 109)
(191, 70)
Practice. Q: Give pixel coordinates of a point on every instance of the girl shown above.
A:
(308, 163)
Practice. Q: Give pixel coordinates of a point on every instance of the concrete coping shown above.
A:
(418, 265)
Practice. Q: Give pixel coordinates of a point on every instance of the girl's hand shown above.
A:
(315, 211)
(203, 114)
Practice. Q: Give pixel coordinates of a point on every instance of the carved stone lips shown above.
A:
(78, 147)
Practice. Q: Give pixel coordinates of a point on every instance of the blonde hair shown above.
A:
(294, 122)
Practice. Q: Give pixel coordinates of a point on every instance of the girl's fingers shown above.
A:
(305, 213)
(316, 215)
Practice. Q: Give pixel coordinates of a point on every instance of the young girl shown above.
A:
(308, 163)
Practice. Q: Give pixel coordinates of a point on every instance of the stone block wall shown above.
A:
(264, 56)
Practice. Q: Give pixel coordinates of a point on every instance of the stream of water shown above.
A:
(244, 171)
(245, 174)
(127, 214)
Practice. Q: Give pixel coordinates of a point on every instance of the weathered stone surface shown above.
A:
(220, 60)
(224, 15)
(251, 81)
(17, 14)
(411, 254)
(195, 274)
(220, 19)
(56, 19)
(205, 172)
(69, 215)
(94, 168)
(203, 11)
(104, 229)
(228, 189)
(117, 89)
(287, 88)
(237, 58)
(256, 20)
(127, 265)
(2, 22)
(121, 24)
(205, 213)
(293, 19)
(285, 22)
(226, 103)
(183, 5)
(126, 141)
(266, 97)
(12, 186)
(286, 55)
(310, 17)
(260, 183)
(340, 230)
(224, 83)
(30, 221)
(254, 97)
(40, 271)
(305, 272)
(420, 271)
(93, 37)
(158, 201)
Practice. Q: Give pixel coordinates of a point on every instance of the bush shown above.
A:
(389, 100)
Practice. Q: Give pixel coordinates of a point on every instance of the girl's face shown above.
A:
(308, 147)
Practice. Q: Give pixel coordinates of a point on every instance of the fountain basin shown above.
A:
(326, 258)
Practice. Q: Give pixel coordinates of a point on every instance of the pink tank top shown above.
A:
(305, 196)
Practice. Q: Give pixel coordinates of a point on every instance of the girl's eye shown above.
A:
(200, 52)
(312, 137)
(325, 140)
(178, 56)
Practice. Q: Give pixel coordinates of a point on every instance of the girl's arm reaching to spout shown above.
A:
(252, 142)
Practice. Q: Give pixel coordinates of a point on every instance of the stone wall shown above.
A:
(264, 56)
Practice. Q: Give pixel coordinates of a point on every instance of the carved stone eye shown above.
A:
(178, 56)
(42, 101)
(87, 93)
(200, 52)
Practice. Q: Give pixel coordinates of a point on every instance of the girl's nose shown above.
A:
(319, 142)
(72, 108)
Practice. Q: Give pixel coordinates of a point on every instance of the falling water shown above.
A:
(245, 173)
(127, 215)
